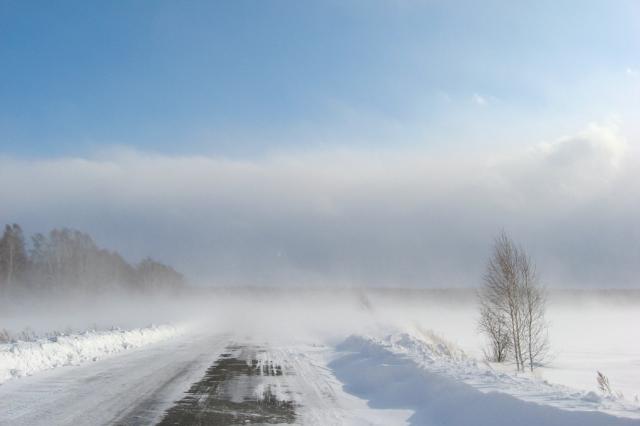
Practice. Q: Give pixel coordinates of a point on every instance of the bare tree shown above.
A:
(534, 306)
(513, 306)
(495, 326)
(500, 294)
(13, 256)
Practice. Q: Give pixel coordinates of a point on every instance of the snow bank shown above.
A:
(21, 358)
(419, 358)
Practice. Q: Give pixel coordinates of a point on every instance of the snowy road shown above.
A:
(138, 386)
(267, 383)
(202, 378)
(133, 387)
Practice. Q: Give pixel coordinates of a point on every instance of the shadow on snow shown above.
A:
(390, 381)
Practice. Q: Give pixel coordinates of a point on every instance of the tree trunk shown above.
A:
(10, 265)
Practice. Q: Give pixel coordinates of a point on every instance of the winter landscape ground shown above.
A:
(384, 357)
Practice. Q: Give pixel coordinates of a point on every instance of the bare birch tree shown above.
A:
(494, 325)
(513, 303)
(534, 307)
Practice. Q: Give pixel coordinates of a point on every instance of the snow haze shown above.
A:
(348, 217)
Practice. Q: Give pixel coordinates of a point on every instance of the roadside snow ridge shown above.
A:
(18, 359)
(436, 355)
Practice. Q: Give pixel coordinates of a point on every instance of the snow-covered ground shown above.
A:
(587, 335)
(402, 372)
(24, 358)
(137, 385)
(434, 355)
(348, 358)
(594, 337)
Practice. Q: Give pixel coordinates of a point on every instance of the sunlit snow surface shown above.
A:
(20, 358)
(433, 355)
(340, 358)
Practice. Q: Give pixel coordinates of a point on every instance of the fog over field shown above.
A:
(348, 217)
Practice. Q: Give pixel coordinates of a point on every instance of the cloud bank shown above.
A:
(383, 218)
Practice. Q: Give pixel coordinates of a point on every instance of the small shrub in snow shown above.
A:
(605, 387)
(28, 335)
(4, 336)
(603, 384)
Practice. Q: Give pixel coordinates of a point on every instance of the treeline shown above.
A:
(67, 260)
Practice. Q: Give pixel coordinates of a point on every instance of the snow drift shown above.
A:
(23, 358)
(435, 379)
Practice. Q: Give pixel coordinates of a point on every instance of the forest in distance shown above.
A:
(69, 261)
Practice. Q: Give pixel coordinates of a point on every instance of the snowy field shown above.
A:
(340, 357)
(588, 333)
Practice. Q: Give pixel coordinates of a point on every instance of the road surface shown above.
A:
(220, 379)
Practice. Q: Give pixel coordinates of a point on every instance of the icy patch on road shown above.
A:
(435, 355)
(24, 358)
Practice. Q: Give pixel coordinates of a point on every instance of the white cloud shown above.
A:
(597, 143)
(479, 100)
(580, 165)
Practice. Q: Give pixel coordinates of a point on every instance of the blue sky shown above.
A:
(244, 78)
